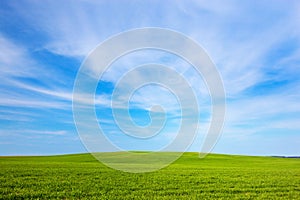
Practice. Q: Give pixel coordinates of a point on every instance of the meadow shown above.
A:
(80, 176)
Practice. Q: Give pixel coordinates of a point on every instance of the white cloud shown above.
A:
(14, 60)
(31, 103)
(31, 133)
(238, 36)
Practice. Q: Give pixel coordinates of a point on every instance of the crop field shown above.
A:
(80, 176)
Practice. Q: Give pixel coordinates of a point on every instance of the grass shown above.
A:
(80, 176)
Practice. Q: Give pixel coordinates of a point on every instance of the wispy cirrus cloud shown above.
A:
(255, 49)
(13, 58)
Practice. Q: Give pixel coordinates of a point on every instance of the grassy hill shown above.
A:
(80, 176)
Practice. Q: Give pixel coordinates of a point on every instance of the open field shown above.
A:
(80, 176)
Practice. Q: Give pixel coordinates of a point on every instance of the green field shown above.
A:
(216, 176)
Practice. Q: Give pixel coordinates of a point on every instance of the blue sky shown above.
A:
(255, 47)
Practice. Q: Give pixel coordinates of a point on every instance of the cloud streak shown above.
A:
(255, 49)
